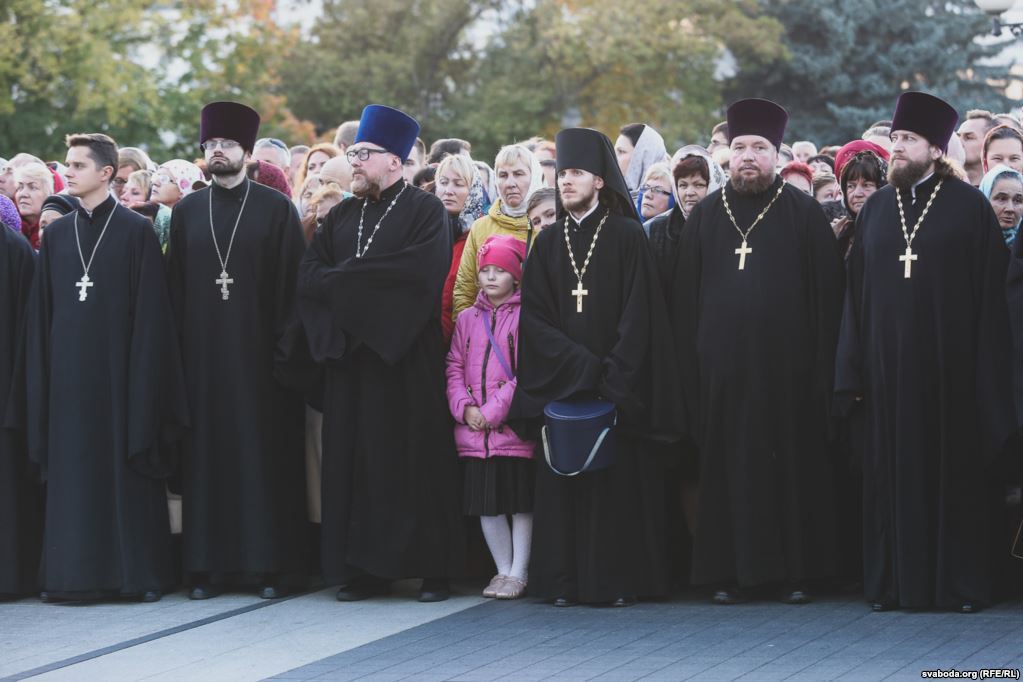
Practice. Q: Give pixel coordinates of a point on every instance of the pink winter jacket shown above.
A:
(476, 377)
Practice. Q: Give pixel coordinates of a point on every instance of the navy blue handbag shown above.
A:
(579, 435)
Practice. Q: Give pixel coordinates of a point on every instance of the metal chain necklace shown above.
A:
(84, 283)
(908, 257)
(579, 292)
(745, 249)
(360, 251)
(224, 279)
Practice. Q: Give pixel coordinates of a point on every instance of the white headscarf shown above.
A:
(716, 172)
(535, 183)
(649, 150)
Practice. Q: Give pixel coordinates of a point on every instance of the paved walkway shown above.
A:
(239, 637)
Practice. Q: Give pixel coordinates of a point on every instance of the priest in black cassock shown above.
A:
(233, 261)
(105, 391)
(369, 297)
(925, 352)
(598, 537)
(21, 511)
(756, 300)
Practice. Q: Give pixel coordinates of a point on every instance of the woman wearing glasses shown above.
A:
(655, 196)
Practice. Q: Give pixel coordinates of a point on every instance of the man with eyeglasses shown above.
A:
(233, 262)
(369, 297)
(756, 299)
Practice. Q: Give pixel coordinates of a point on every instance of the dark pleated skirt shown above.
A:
(498, 485)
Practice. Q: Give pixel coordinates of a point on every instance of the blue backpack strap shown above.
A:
(497, 351)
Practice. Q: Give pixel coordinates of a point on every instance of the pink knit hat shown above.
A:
(504, 251)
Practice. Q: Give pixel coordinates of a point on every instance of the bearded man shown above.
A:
(369, 297)
(755, 301)
(925, 353)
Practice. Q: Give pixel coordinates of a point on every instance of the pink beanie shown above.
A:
(504, 251)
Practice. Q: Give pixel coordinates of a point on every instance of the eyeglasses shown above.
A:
(650, 189)
(226, 145)
(363, 154)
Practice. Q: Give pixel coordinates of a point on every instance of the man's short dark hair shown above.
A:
(823, 158)
(720, 128)
(446, 147)
(102, 148)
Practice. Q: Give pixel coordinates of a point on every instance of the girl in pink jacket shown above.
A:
(481, 381)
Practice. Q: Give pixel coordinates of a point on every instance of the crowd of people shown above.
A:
(768, 369)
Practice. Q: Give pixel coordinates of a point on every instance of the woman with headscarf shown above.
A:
(1003, 186)
(518, 175)
(695, 174)
(55, 206)
(862, 169)
(638, 147)
(460, 188)
(172, 182)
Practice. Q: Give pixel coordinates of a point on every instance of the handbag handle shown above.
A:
(497, 351)
(586, 464)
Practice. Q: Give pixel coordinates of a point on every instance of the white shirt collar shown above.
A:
(579, 221)
(912, 190)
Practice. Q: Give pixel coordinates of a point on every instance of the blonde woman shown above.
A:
(518, 176)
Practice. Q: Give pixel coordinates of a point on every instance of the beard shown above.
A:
(220, 165)
(363, 185)
(909, 174)
(581, 203)
(754, 185)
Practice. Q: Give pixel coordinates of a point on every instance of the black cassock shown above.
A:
(931, 357)
(664, 231)
(391, 504)
(21, 497)
(600, 535)
(105, 405)
(243, 463)
(757, 353)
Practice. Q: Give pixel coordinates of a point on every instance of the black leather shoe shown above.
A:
(203, 592)
(45, 598)
(880, 606)
(796, 596)
(968, 607)
(434, 589)
(151, 596)
(364, 588)
(271, 592)
(564, 602)
(729, 595)
(623, 602)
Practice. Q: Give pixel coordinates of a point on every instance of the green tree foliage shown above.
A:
(138, 71)
(545, 62)
(850, 60)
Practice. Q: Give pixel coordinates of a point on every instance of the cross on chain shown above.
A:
(579, 292)
(223, 281)
(741, 253)
(83, 287)
(908, 259)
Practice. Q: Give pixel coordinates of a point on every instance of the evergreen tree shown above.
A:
(850, 60)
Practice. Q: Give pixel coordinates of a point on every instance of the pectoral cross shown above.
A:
(83, 287)
(579, 292)
(908, 259)
(741, 253)
(223, 281)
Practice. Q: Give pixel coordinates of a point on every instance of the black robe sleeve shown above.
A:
(344, 300)
(37, 362)
(21, 260)
(293, 365)
(684, 307)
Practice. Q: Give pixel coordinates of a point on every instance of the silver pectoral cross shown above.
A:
(908, 259)
(223, 281)
(83, 287)
(579, 292)
(741, 253)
